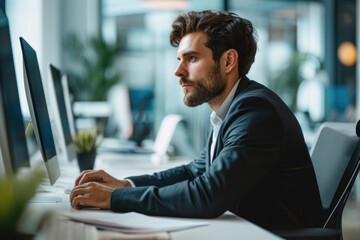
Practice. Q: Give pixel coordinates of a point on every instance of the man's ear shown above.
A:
(230, 60)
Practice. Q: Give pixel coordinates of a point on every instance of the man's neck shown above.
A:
(216, 102)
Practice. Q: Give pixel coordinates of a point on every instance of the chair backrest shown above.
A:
(335, 157)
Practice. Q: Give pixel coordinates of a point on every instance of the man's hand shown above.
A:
(91, 194)
(102, 177)
(94, 189)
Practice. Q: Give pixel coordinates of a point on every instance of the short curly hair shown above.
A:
(224, 31)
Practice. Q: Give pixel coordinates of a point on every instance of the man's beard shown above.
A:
(205, 89)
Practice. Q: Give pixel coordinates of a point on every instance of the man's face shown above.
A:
(200, 77)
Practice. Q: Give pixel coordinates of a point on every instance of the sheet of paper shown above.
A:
(131, 222)
(116, 235)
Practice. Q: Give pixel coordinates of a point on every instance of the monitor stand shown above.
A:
(45, 191)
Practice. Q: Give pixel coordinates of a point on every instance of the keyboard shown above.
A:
(56, 229)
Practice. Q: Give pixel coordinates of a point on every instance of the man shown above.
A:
(255, 164)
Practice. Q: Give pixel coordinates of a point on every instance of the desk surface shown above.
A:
(227, 226)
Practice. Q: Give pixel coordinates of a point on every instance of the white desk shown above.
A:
(228, 226)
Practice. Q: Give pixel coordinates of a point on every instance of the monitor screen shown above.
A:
(38, 110)
(12, 130)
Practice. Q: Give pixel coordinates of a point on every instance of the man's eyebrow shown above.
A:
(187, 53)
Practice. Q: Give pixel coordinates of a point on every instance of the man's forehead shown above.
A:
(193, 42)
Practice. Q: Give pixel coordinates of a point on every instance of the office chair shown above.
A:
(336, 160)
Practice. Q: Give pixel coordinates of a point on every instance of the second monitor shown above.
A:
(60, 114)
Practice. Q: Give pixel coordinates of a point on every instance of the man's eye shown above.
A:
(192, 58)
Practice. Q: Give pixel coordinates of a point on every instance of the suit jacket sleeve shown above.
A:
(248, 147)
(172, 176)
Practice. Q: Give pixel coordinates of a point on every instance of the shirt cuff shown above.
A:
(131, 182)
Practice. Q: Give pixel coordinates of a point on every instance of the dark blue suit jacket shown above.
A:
(261, 170)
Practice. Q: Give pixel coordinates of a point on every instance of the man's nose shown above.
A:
(180, 71)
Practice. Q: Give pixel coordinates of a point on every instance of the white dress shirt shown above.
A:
(216, 118)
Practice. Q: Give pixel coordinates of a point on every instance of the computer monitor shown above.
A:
(12, 130)
(39, 111)
(60, 115)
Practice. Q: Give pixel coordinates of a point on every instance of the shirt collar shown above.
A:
(216, 118)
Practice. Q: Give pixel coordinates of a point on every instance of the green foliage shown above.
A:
(87, 141)
(15, 193)
(92, 72)
(287, 81)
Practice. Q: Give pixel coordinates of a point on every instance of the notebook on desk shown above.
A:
(132, 222)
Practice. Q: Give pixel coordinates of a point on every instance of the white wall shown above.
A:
(25, 20)
(80, 17)
(51, 34)
(44, 24)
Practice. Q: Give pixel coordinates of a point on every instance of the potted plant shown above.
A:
(15, 193)
(91, 66)
(86, 143)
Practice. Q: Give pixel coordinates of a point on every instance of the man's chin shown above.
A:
(191, 103)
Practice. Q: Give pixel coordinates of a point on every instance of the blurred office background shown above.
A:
(307, 54)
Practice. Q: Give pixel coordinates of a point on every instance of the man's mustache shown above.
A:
(184, 81)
